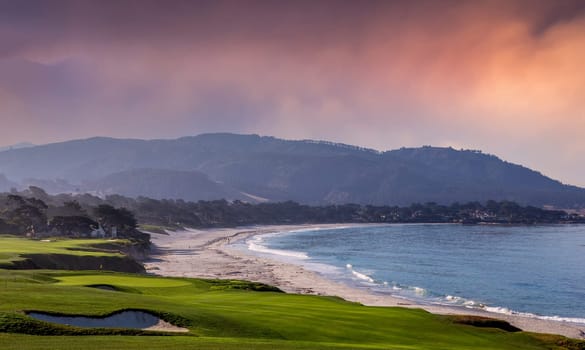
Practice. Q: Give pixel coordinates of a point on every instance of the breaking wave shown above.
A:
(506, 311)
(256, 244)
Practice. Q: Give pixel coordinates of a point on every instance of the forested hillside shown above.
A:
(256, 169)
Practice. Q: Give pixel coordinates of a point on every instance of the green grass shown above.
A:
(18, 342)
(222, 317)
(121, 281)
(219, 314)
(12, 248)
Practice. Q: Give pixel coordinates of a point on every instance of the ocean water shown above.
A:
(538, 271)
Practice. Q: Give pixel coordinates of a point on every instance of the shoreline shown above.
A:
(207, 254)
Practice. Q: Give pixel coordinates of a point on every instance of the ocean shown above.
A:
(537, 271)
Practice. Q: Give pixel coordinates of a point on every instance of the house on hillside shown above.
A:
(101, 232)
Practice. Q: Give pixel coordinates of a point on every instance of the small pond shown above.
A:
(124, 319)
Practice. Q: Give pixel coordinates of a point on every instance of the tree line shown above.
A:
(33, 211)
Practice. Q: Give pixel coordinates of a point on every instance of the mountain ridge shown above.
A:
(307, 171)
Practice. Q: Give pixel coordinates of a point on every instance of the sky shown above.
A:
(503, 76)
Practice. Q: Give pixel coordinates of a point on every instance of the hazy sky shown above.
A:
(507, 77)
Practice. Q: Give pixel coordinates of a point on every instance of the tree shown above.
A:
(6, 228)
(73, 225)
(69, 208)
(121, 218)
(36, 192)
(29, 218)
(25, 214)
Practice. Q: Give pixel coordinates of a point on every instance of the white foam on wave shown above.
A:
(419, 291)
(506, 311)
(359, 275)
(453, 300)
(471, 304)
(256, 245)
(310, 229)
(498, 310)
(563, 319)
(362, 276)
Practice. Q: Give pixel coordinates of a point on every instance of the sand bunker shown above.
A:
(104, 287)
(125, 319)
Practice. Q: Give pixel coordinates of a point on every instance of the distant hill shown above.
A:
(235, 166)
(16, 146)
(5, 184)
(161, 184)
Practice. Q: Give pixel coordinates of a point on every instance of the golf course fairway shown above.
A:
(216, 314)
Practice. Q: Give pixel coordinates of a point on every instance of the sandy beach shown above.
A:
(208, 254)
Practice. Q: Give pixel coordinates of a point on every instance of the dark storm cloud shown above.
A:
(553, 13)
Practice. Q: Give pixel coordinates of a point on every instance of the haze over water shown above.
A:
(528, 269)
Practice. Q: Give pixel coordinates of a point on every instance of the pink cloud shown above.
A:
(498, 75)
